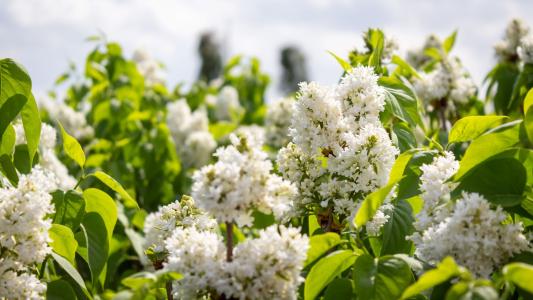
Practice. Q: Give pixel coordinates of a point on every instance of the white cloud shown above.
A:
(44, 34)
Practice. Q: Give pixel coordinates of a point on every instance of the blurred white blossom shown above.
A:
(238, 182)
(227, 104)
(277, 122)
(190, 133)
(149, 68)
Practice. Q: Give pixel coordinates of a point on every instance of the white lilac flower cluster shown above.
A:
(190, 133)
(48, 159)
(525, 50)
(448, 80)
(510, 47)
(73, 121)
(340, 152)
(277, 122)
(241, 181)
(226, 103)
(255, 132)
(149, 68)
(183, 213)
(24, 233)
(476, 235)
(373, 227)
(435, 189)
(267, 267)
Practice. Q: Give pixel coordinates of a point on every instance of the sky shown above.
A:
(45, 35)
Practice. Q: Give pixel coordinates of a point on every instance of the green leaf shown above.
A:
(221, 129)
(472, 290)
(59, 290)
(100, 202)
(471, 127)
(95, 232)
(405, 68)
(405, 139)
(502, 181)
(521, 86)
(13, 80)
(519, 274)
(31, 122)
(72, 147)
(7, 142)
(377, 40)
(401, 100)
(502, 79)
(384, 278)
(21, 159)
(528, 100)
(528, 122)
(8, 169)
(129, 202)
(445, 270)
(72, 272)
(486, 146)
(70, 209)
(344, 64)
(397, 228)
(63, 242)
(399, 166)
(340, 288)
(320, 244)
(325, 270)
(448, 43)
(10, 110)
(370, 205)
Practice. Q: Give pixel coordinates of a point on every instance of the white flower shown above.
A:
(316, 120)
(183, 213)
(73, 121)
(267, 267)
(189, 130)
(340, 150)
(149, 68)
(23, 216)
(474, 235)
(237, 183)
(449, 80)
(373, 227)
(506, 49)
(253, 132)
(19, 284)
(198, 256)
(227, 103)
(277, 122)
(436, 189)
(303, 171)
(361, 98)
(525, 50)
(434, 85)
(24, 226)
(199, 146)
(390, 46)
